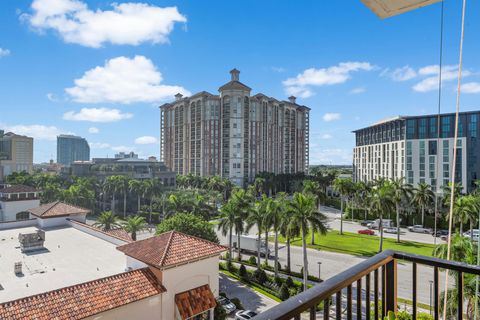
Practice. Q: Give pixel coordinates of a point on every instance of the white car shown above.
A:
(475, 235)
(245, 315)
(419, 229)
(390, 230)
(226, 304)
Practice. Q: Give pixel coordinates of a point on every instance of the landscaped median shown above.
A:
(361, 245)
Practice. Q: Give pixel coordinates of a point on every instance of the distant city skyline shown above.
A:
(338, 58)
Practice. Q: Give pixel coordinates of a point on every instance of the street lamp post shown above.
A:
(319, 269)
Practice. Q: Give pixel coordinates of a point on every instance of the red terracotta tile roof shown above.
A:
(195, 301)
(19, 188)
(171, 248)
(85, 299)
(57, 209)
(118, 233)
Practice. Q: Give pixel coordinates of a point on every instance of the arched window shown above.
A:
(23, 215)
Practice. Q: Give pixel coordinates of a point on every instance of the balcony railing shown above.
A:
(381, 270)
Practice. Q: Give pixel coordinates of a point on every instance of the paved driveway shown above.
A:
(250, 299)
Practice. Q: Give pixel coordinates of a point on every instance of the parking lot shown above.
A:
(250, 299)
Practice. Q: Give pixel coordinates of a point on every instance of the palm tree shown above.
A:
(423, 197)
(133, 225)
(136, 186)
(242, 201)
(382, 202)
(110, 186)
(464, 210)
(402, 192)
(314, 188)
(107, 221)
(228, 220)
(257, 218)
(287, 229)
(305, 215)
(122, 185)
(275, 209)
(447, 191)
(342, 186)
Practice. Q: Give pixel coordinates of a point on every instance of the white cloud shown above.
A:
(125, 24)
(430, 83)
(97, 115)
(146, 140)
(278, 69)
(93, 130)
(331, 116)
(123, 80)
(358, 90)
(300, 85)
(471, 87)
(4, 52)
(37, 131)
(99, 145)
(326, 136)
(401, 74)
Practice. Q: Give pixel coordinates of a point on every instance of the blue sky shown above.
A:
(71, 66)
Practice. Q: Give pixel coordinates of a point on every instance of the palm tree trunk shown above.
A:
(471, 230)
(423, 216)
(380, 227)
(398, 223)
(461, 227)
(113, 204)
(138, 204)
(239, 257)
(313, 237)
(288, 255)
(258, 247)
(341, 216)
(134, 236)
(365, 209)
(276, 253)
(230, 246)
(266, 248)
(305, 261)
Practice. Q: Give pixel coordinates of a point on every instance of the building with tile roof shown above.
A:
(15, 200)
(54, 213)
(169, 276)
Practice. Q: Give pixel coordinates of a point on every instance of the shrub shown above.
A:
(424, 316)
(289, 282)
(283, 293)
(260, 276)
(222, 294)
(252, 260)
(278, 281)
(279, 266)
(229, 266)
(219, 312)
(237, 303)
(404, 315)
(286, 268)
(242, 272)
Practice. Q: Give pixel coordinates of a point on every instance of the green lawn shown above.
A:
(361, 245)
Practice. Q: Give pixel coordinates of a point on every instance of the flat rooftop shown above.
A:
(70, 257)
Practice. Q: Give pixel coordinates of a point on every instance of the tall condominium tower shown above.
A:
(72, 148)
(410, 147)
(234, 134)
(16, 153)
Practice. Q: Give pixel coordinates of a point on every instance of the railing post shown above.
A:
(391, 287)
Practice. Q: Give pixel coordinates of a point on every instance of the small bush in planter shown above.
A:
(242, 272)
(289, 282)
(283, 293)
(260, 276)
(252, 260)
(278, 281)
(237, 303)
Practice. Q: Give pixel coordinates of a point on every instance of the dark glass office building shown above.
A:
(72, 148)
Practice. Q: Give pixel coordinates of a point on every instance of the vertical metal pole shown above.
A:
(414, 291)
(391, 287)
(431, 283)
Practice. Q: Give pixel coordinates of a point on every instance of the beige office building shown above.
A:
(16, 153)
(234, 134)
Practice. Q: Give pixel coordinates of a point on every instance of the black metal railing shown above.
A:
(383, 268)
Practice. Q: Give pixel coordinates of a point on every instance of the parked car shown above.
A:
(440, 233)
(245, 315)
(369, 232)
(390, 230)
(386, 223)
(475, 235)
(366, 222)
(227, 304)
(419, 229)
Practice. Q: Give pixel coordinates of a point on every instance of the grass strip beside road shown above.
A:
(251, 286)
(360, 244)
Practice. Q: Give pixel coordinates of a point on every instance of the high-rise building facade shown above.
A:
(415, 148)
(16, 153)
(234, 134)
(72, 148)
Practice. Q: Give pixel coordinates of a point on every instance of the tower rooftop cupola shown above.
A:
(292, 99)
(235, 74)
(178, 96)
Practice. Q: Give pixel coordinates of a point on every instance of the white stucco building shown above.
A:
(16, 200)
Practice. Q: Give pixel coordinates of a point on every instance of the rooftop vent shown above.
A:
(32, 241)
(178, 96)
